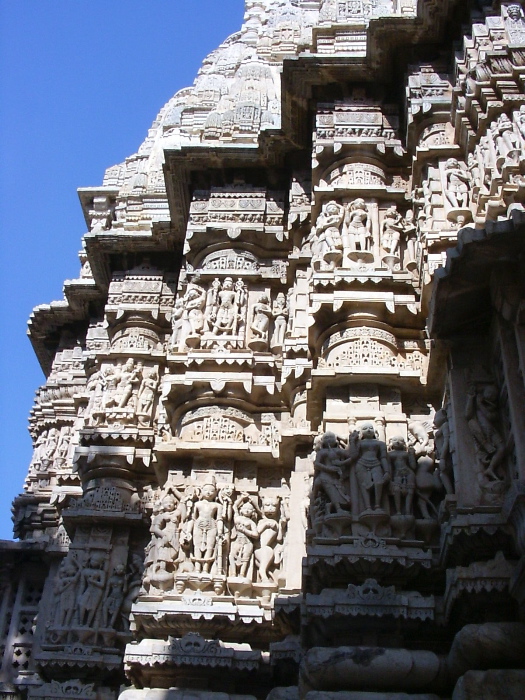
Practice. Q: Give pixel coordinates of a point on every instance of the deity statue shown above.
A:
(506, 140)
(66, 591)
(270, 528)
(371, 465)
(457, 183)
(515, 24)
(192, 326)
(482, 414)
(326, 235)
(328, 465)
(280, 316)
(226, 311)
(391, 230)
(241, 552)
(115, 592)
(146, 392)
(262, 313)
(207, 527)
(162, 551)
(91, 592)
(403, 466)
(442, 448)
(357, 231)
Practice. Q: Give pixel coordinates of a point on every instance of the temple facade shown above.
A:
(280, 449)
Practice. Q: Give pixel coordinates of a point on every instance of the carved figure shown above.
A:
(482, 414)
(506, 140)
(515, 24)
(164, 545)
(193, 315)
(176, 323)
(326, 234)
(241, 552)
(418, 438)
(212, 303)
(207, 530)
(427, 483)
(115, 591)
(328, 465)
(226, 312)
(357, 230)
(92, 585)
(129, 382)
(442, 448)
(403, 466)
(457, 183)
(391, 230)
(146, 393)
(280, 316)
(262, 313)
(371, 464)
(271, 535)
(519, 116)
(66, 591)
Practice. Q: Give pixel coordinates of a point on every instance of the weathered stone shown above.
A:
(490, 685)
(280, 450)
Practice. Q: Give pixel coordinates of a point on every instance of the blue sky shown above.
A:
(80, 83)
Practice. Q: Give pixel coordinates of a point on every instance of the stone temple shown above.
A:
(280, 450)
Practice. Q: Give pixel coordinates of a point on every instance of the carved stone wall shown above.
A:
(282, 429)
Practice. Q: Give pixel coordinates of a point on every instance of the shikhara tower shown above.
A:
(281, 444)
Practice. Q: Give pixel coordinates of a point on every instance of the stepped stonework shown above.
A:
(280, 450)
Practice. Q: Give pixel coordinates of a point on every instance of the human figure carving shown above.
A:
(280, 316)
(262, 313)
(457, 184)
(226, 312)
(115, 592)
(146, 393)
(357, 230)
(207, 530)
(442, 448)
(326, 234)
(391, 230)
(403, 466)
(241, 552)
(328, 465)
(92, 584)
(371, 464)
(162, 551)
(194, 303)
(515, 23)
(482, 414)
(66, 591)
(271, 535)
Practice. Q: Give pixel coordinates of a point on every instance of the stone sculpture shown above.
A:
(372, 467)
(357, 232)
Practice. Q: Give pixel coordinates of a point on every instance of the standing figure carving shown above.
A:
(207, 527)
(66, 592)
(403, 466)
(457, 182)
(326, 236)
(262, 313)
(442, 449)
(280, 316)
(92, 585)
(328, 478)
(271, 535)
(245, 534)
(482, 414)
(357, 232)
(391, 230)
(371, 465)
(193, 316)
